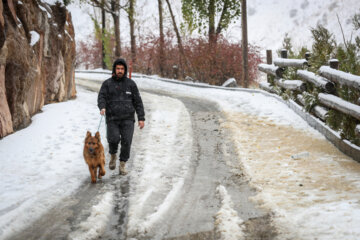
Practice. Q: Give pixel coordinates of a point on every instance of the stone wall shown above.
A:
(37, 60)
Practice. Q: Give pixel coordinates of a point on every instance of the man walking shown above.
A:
(119, 99)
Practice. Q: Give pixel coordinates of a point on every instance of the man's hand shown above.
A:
(141, 124)
(102, 112)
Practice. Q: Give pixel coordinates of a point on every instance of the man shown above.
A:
(119, 99)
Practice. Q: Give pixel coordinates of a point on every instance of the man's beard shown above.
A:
(119, 75)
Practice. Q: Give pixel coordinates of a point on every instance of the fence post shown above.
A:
(268, 61)
(283, 53)
(268, 56)
(334, 63)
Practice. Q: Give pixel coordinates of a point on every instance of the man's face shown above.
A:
(119, 71)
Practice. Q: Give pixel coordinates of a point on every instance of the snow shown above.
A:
(303, 179)
(148, 208)
(34, 37)
(310, 76)
(47, 155)
(283, 62)
(311, 188)
(66, 32)
(53, 2)
(45, 10)
(229, 81)
(96, 223)
(59, 132)
(348, 78)
(340, 104)
(229, 224)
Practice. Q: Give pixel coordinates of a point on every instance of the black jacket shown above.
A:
(120, 97)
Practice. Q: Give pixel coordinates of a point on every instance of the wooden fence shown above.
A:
(327, 81)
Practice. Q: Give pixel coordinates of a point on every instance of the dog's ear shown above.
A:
(88, 134)
(97, 135)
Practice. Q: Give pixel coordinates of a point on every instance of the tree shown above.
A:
(181, 48)
(131, 16)
(103, 25)
(323, 47)
(113, 8)
(161, 50)
(356, 23)
(244, 44)
(201, 14)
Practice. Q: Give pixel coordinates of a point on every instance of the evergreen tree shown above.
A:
(323, 47)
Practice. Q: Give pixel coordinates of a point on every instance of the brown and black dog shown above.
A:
(94, 155)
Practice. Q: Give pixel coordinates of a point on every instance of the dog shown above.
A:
(94, 156)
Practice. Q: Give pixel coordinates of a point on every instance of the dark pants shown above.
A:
(120, 131)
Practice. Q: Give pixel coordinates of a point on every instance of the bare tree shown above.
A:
(113, 8)
(181, 48)
(244, 44)
(131, 16)
(161, 50)
(103, 27)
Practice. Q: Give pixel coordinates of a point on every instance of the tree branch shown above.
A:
(219, 27)
(342, 31)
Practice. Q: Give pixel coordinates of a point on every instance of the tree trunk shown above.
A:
(115, 15)
(212, 35)
(103, 26)
(244, 44)
(161, 50)
(131, 13)
(181, 49)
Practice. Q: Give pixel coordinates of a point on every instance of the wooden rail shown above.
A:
(297, 63)
(328, 82)
(318, 81)
(340, 77)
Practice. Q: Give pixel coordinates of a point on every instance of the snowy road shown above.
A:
(190, 171)
(191, 166)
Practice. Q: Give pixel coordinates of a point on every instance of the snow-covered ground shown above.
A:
(44, 161)
(313, 194)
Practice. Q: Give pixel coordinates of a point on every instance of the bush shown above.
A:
(213, 66)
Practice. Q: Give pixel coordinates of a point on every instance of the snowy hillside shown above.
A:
(268, 20)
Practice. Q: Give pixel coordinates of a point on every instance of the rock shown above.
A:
(37, 66)
(231, 82)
